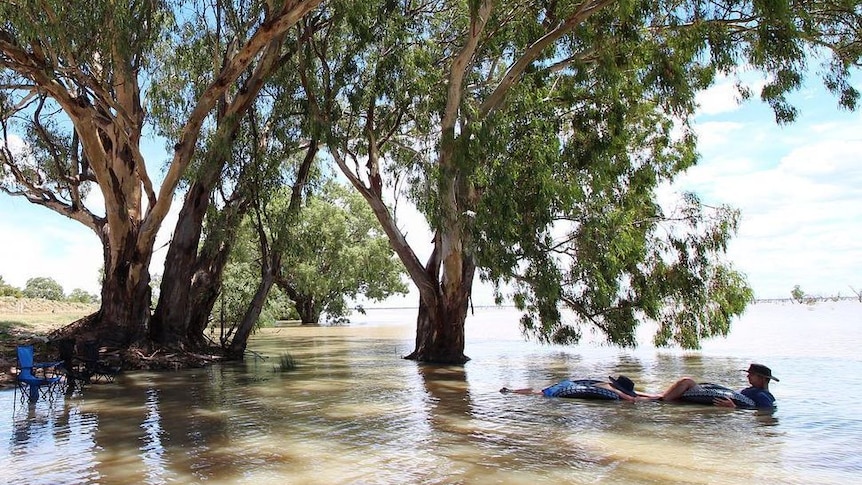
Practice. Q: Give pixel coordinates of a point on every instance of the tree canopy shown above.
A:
(44, 287)
(337, 252)
(532, 136)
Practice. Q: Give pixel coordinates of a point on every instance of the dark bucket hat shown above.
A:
(762, 371)
(624, 384)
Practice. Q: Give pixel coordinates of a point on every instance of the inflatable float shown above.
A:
(581, 389)
(704, 393)
(707, 393)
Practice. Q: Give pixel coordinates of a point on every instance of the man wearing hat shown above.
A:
(758, 376)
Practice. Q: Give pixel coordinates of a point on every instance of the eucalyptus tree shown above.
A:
(337, 252)
(43, 287)
(235, 157)
(265, 188)
(73, 85)
(533, 136)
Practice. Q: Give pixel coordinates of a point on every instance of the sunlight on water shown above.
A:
(355, 412)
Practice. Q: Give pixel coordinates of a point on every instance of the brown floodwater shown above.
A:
(353, 411)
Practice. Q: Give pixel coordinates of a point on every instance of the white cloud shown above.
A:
(37, 242)
(715, 134)
(723, 96)
(799, 189)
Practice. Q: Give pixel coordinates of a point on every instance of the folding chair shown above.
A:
(97, 368)
(73, 366)
(31, 384)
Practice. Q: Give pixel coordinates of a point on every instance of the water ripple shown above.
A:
(354, 412)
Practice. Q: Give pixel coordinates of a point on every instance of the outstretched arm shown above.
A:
(526, 390)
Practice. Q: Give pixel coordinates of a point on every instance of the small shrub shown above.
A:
(285, 363)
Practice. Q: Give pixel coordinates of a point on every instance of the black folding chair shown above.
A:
(97, 368)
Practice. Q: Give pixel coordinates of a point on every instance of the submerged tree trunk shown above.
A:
(309, 311)
(306, 307)
(208, 272)
(192, 280)
(206, 286)
(445, 282)
(237, 347)
(440, 335)
(440, 327)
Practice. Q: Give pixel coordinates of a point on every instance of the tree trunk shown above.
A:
(308, 311)
(249, 320)
(177, 317)
(440, 330)
(304, 305)
(125, 310)
(170, 322)
(205, 288)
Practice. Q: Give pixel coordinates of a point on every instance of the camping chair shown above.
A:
(31, 384)
(95, 367)
(73, 366)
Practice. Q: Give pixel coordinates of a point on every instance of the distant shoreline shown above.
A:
(808, 301)
(14, 305)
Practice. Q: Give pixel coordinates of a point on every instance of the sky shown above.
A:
(798, 186)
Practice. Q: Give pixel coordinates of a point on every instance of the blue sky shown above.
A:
(799, 188)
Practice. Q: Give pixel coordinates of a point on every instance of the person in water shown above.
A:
(758, 377)
(622, 386)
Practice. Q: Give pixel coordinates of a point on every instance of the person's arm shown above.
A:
(527, 390)
(762, 399)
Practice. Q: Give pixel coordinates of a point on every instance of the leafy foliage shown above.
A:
(337, 252)
(44, 287)
(534, 138)
(8, 290)
(82, 296)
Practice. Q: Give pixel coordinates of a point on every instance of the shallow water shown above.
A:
(355, 412)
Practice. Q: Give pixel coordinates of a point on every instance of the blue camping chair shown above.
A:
(31, 384)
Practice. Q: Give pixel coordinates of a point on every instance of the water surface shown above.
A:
(355, 412)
